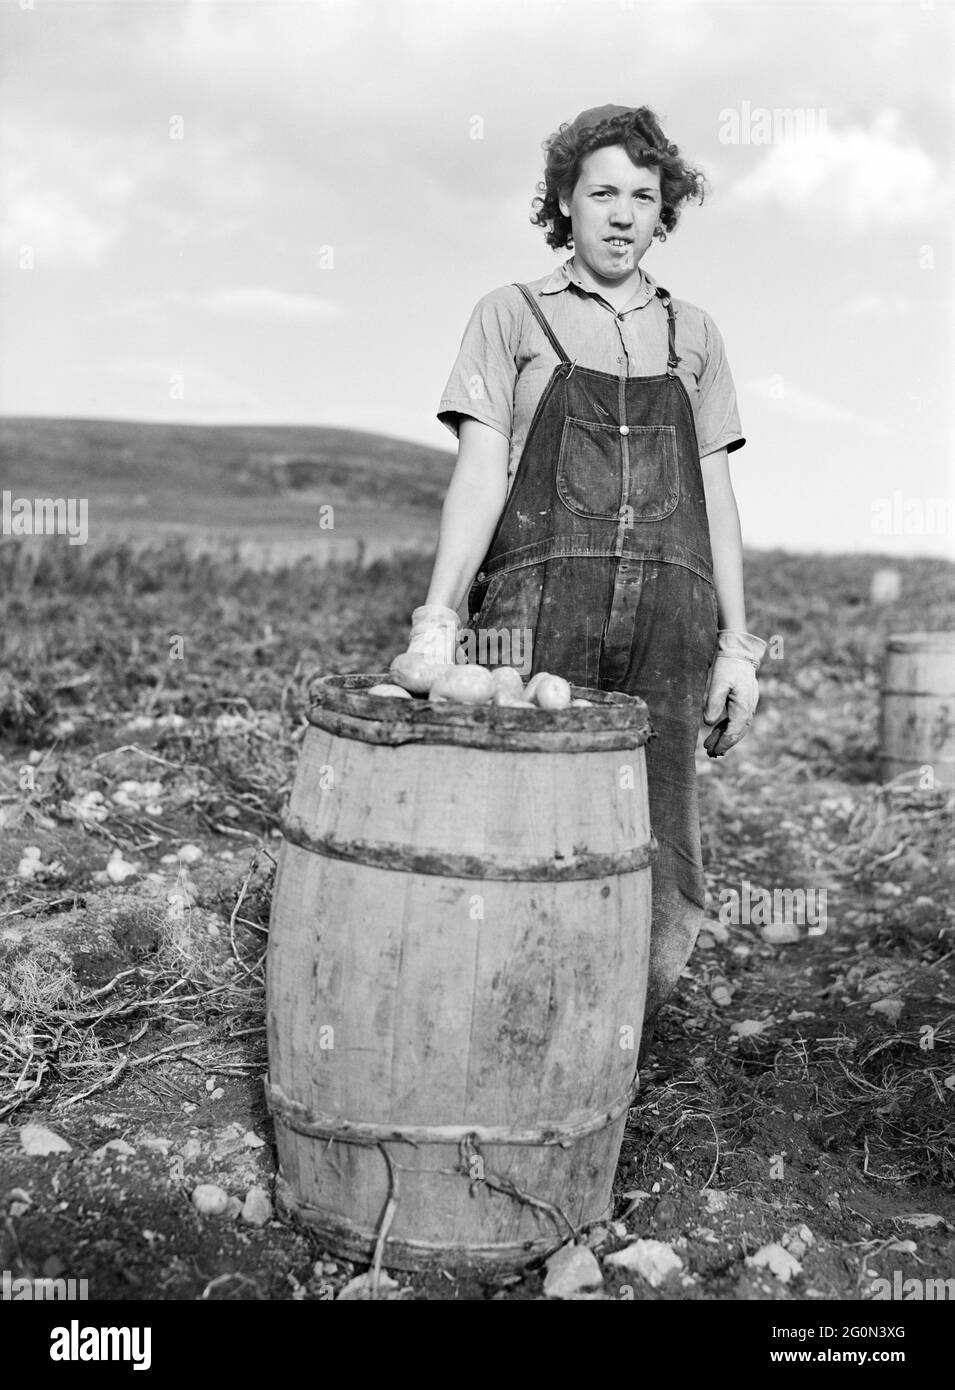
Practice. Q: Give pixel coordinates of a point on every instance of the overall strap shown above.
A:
(673, 359)
(538, 314)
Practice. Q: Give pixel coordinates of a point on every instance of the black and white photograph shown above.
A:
(477, 668)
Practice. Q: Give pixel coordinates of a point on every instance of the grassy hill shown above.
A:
(139, 476)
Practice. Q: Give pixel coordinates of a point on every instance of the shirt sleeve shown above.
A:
(482, 379)
(718, 424)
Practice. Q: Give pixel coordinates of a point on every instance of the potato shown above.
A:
(531, 688)
(506, 679)
(582, 702)
(553, 692)
(394, 690)
(468, 685)
(416, 672)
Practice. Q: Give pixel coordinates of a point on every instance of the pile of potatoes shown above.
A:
(414, 674)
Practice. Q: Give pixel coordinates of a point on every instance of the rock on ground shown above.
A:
(571, 1271)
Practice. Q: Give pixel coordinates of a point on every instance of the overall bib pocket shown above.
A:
(590, 469)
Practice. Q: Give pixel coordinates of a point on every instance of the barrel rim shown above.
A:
(613, 712)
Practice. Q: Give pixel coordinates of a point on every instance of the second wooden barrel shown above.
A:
(457, 970)
(918, 707)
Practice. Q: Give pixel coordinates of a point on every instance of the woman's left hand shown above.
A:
(732, 693)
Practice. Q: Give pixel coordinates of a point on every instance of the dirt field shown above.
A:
(794, 1136)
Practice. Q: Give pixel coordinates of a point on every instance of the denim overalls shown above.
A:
(602, 554)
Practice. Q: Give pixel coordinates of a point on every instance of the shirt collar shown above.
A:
(566, 275)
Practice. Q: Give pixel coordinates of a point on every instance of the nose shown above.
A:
(622, 215)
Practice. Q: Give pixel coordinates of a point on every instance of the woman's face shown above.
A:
(613, 211)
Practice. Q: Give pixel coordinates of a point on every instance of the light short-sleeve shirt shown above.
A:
(505, 360)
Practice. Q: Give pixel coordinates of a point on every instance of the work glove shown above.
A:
(732, 693)
(434, 633)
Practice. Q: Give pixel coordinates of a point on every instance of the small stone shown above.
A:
(777, 1260)
(889, 1008)
(18, 1202)
(38, 1141)
(252, 1141)
(157, 1145)
(780, 933)
(190, 854)
(652, 1260)
(119, 869)
(217, 1094)
(360, 1288)
(234, 1210)
(116, 1146)
(257, 1209)
(210, 1200)
(29, 865)
(798, 1239)
(750, 1027)
(923, 1220)
(571, 1271)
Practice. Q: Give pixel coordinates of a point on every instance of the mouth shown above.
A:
(619, 243)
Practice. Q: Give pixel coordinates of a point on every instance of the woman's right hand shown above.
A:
(434, 633)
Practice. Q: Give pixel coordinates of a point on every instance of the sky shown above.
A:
(284, 211)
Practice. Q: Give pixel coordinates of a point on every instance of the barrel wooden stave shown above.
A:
(918, 706)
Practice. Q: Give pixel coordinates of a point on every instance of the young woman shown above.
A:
(591, 502)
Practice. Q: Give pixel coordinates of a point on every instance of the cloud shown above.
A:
(871, 306)
(202, 388)
(862, 180)
(246, 301)
(800, 404)
(260, 301)
(57, 229)
(68, 197)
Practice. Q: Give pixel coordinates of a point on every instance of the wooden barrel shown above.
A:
(918, 707)
(456, 972)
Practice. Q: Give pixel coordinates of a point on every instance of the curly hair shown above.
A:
(641, 136)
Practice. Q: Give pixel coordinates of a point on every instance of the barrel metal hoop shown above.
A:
(408, 859)
(317, 1125)
(917, 694)
(352, 1241)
